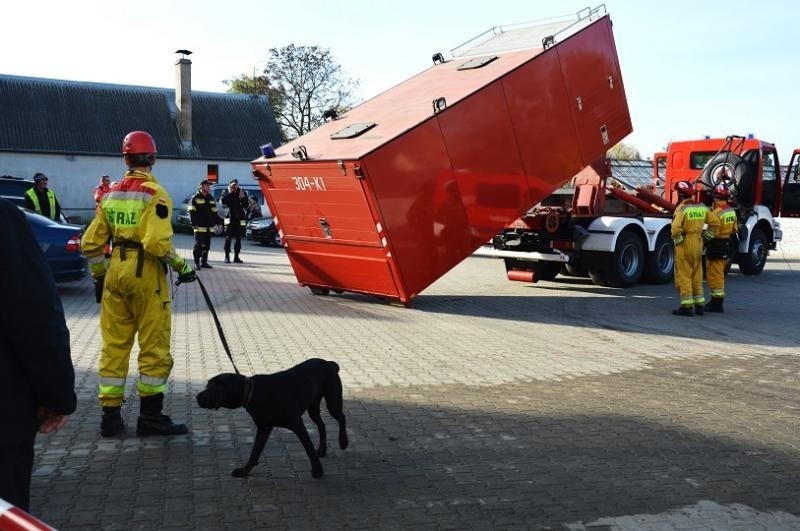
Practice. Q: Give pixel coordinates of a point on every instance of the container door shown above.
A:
(790, 198)
(594, 84)
(321, 201)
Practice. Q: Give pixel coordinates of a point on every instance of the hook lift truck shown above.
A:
(619, 234)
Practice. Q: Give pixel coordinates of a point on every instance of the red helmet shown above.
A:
(138, 143)
(684, 188)
(721, 191)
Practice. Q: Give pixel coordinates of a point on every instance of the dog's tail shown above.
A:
(335, 365)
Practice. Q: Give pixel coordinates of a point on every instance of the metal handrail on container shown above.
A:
(584, 15)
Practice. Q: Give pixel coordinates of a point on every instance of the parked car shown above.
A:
(182, 221)
(61, 245)
(60, 240)
(263, 230)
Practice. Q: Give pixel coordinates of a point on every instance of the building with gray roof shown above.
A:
(72, 131)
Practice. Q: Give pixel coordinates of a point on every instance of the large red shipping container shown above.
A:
(387, 198)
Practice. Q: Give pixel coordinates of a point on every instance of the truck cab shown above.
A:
(619, 234)
(750, 167)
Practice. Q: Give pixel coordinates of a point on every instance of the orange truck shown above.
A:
(619, 234)
(389, 196)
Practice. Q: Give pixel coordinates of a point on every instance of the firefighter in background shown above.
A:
(101, 189)
(134, 290)
(721, 248)
(41, 199)
(235, 202)
(204, 217)
(688, 235)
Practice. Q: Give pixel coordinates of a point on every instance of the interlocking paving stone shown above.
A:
(485, 404)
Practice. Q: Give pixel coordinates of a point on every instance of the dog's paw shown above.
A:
(316, 470)
(322, 451)
(240, 472)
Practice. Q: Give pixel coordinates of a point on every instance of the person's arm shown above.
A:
(677, 226)
(58, 209)
(93, 243)
(155, 232)
(193, 210)
(34, 325)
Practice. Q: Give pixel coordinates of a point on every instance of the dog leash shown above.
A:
(216, 322)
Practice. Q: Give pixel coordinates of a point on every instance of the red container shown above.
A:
(391, 209)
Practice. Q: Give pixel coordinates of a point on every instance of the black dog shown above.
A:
(280, 399)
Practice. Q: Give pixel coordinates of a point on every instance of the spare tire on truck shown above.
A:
(729, 167)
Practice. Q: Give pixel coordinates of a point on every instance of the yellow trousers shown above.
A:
(132, 306)
(689, 270)
(715, 273)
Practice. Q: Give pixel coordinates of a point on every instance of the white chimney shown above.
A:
(183, 96)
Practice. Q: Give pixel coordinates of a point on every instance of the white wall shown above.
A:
(73, 177)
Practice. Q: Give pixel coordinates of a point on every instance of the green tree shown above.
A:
(623, 151)
(254, 85)
(301, 83)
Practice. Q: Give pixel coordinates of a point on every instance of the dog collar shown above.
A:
(248, 391)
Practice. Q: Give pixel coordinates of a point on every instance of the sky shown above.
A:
(690, 68)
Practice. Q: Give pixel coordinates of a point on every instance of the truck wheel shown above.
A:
(627, 263)
(660, 264)
(598, 277)
(741, 176)
(546, 270)
(573, 270)
(596, 264)
(754, 261)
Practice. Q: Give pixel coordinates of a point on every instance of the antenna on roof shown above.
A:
(183, 53)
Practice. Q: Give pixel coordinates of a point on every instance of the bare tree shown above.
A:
(623, 151)
(301, 83)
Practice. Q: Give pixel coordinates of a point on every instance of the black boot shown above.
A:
(698, 309)
(236, 258)
(205, 262)
(153, 422)
(112, 423)
(715, 305)
(684, 310)
(227, 257)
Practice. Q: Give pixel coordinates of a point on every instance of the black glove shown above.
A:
(186, 274)
(98, 288)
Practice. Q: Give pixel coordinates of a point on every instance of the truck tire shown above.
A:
(598, 277)
(742, 185)
(754, 261)
(574, 270)
(626, 265)
(595, 264)
(546, 270)
(660, 264)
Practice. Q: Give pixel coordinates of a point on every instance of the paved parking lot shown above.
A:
(486, 404)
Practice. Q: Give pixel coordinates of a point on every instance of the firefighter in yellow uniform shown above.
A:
(688, 235)
(134, 289)
(720, 249)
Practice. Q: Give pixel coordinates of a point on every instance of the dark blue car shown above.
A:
(61, 245)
